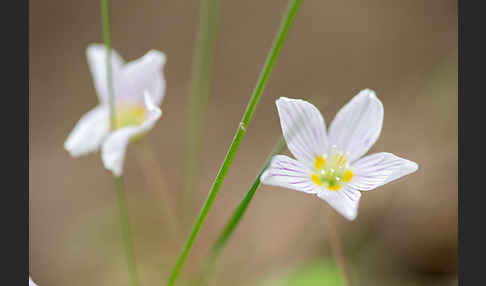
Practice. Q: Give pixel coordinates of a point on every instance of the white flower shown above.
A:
(31, 283)
(330, 164)
(138, 89)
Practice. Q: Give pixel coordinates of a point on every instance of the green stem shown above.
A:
(119, 186)
(126, 232)
(250, 109)
(199, 93)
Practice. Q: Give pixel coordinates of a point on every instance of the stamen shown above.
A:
(331, 174)
(348, 175)
(320, 162)
(129, 115)
(334, 188)
(315, 178)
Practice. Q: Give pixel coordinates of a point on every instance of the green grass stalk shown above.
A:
(126, 232)
(247, 116)
(119, 185)
(199, 93)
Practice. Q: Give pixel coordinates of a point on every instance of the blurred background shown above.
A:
(405, 233)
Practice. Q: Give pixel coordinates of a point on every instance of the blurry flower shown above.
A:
(138, 90)
(330, 164)
(31, 283)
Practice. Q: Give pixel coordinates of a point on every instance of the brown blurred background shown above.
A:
(405, 233)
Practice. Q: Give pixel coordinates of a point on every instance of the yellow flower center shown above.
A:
(331, 171)
(129, 115)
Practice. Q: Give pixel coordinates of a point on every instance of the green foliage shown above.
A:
(320, 273)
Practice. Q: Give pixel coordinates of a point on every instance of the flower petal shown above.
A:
(143, 74)
(345, 201)
(114, 148)
(304, 129)
(357, 125)
(286, 172)
(96, 54)
(31, 283)
(89, 132)
(378, 169)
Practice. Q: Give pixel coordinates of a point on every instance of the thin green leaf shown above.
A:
(255, 98)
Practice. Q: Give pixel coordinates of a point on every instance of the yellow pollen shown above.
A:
(315, 178)
(129, 115)
(348, 175)
(320, 162)
(334, 188)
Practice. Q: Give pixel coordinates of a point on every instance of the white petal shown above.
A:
(143, 74)
(286, 172)
(31, 283)
(378, 169)
(345, 201)
(357, 125)
(89, 132)
(114, 148)
(96, 54)
(304, 129)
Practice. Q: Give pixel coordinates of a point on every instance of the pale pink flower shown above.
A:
(330, 164)
(138, 89)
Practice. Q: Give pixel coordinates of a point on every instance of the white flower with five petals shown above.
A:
(330, 164)
(138, 90)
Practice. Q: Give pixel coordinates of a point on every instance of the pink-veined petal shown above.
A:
(114, 148)
(345, 201)
(378, 169)
(143, 74)
(357, 125)
(304, 129)
(286, 172)
(89, 132)
(96, 54)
